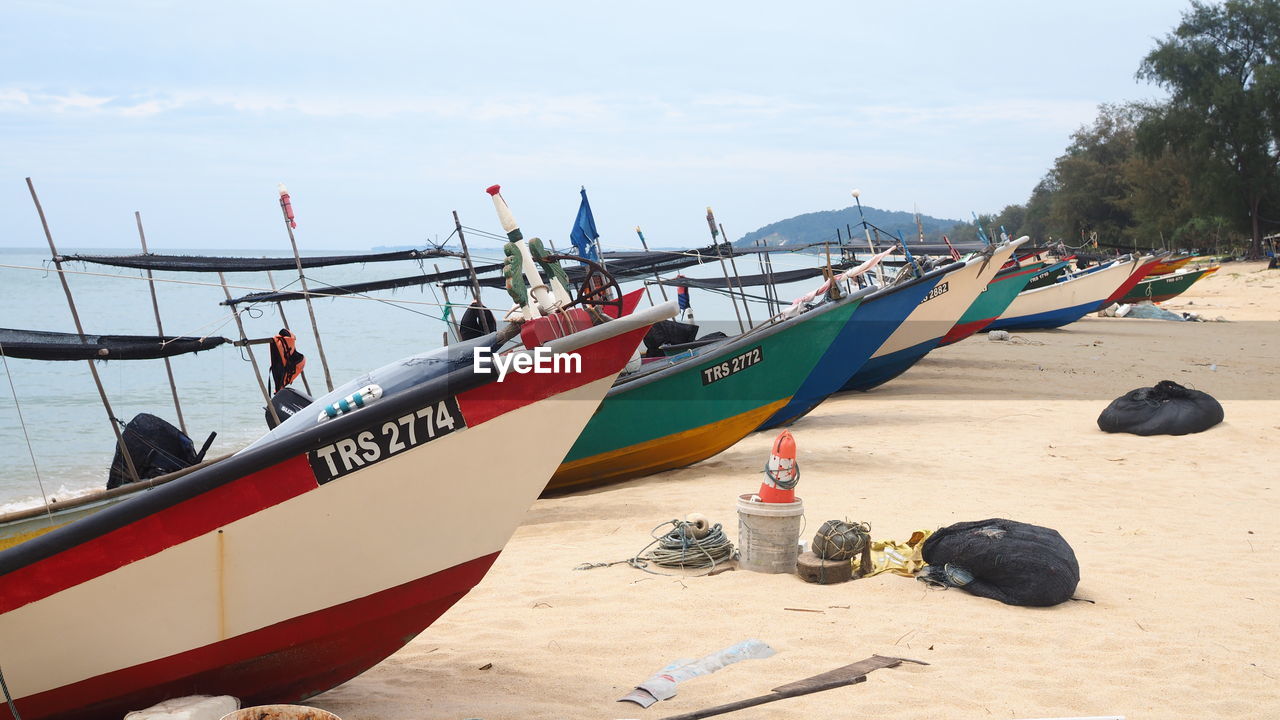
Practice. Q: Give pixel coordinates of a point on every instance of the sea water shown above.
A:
(58, 408)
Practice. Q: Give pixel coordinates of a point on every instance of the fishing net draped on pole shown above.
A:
(212, 263)
(364, 287)
(44, 345)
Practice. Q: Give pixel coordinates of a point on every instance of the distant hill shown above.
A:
(818, 227)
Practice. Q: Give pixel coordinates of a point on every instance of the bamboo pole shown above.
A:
(715, 242)
(857, 194)
(661, 288)
(734, 263)
(155, 306)
(286, 209)
(285, 321)
(257, 373)
(471, 270)
(71, 303)
(451, 323)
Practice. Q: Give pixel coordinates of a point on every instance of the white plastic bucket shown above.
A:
(769, 535)
(281, 712)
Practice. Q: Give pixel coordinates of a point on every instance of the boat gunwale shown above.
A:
(863, 295)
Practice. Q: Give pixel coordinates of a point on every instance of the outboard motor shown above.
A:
(287, 402)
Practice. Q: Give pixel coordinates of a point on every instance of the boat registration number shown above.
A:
(733, 365)
(939, 289)
(379, 442)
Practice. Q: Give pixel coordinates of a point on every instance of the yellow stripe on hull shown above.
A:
(664, 453)
(19, 538)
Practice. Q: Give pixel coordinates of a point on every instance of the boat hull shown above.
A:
(990, 303)
(285, 663)
(931, 320)
(678, 415)
(871, 324)
(298, 564)
(1169, 266)
(1065, 302)
(1145, 266)
(1165, 287)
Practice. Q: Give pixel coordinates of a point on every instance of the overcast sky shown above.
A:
(382, 117)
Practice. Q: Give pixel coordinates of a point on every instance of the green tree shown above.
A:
(1090, 186)
(1221, 66)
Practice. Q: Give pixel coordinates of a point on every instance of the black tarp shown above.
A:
(44, 345)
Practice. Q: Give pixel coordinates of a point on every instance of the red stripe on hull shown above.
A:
(284, 663)
(149, 535)
(258, 491)
(960, 332)
(1134, 278)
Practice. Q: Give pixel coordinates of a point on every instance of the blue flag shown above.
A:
(584, 235)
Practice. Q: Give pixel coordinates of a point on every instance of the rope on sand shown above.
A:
(683, 545)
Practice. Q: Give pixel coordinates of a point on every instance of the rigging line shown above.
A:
(381, 300)
(215, 285)
(22, 421)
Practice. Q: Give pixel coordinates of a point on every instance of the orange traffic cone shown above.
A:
(781, 472)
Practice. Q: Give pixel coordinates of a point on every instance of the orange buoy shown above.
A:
(781, 472)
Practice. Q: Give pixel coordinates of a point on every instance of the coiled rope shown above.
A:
(781, 481)
(678, 547)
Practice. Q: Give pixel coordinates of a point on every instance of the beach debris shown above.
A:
(898, 557)
(1165, 409)
(998, 335)
(662, 685)
(1006, 560)
(1147, 311)
(851, 674)
(192, 707)
(821, 571)
(834, 547)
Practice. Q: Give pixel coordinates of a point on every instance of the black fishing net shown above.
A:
(668, 332)
(461, 276)
(1166, 409)
(156, 448)
(43, 345)
(1005, 560)
(754, 280)
(476, 322)
(630, 265)
(213, 263)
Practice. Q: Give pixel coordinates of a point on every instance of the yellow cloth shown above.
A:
(892, 556)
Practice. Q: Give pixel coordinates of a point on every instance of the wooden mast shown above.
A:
(286, 208)
(71, 303)
(155, 306)
(244, 342)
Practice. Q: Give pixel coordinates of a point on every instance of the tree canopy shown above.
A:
(1199, 168)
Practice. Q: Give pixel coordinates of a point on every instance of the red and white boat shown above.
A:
(313, 554)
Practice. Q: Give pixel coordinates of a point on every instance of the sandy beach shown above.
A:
(1177, 538)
